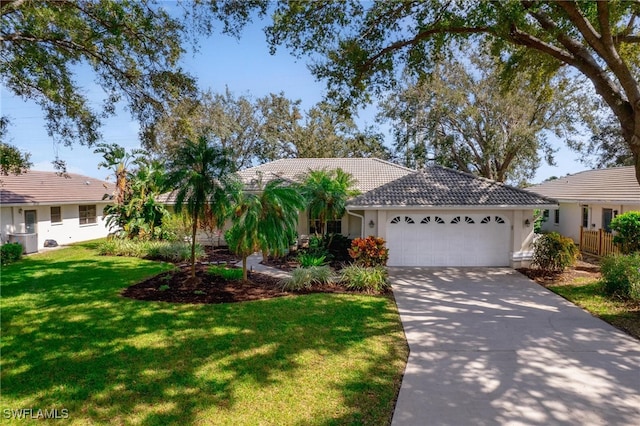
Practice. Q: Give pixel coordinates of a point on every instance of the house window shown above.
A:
(333, 226)
(585, 216)
(556, 216)
(607, 216)
(545, 214)
(56, 214)
(87, 214)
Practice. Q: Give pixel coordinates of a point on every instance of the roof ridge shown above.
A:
(400, 166)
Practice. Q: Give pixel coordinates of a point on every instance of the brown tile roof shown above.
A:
(438, 186)
(369, 173)
(616, 184)
(37, 187)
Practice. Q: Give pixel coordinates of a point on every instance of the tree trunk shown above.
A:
(194, 230)
(244, 268)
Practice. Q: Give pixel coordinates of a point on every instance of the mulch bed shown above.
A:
(178, 287)
(581, 269)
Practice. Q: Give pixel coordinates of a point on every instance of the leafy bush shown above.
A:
(305, 278)
(155, 250)
(621, 275)
(10, 253)
(372, 279)
(306, 260)
(176, 227)
(231, 274)
(627, 227)
(338, 246)
(553, 253)
(369, 251)
(317, 247)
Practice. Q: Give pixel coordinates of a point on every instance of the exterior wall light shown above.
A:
(371, 223)
(527, 222)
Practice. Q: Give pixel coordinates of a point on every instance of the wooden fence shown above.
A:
(599, 243)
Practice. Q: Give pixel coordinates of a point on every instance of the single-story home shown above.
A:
(433, 217)
(589, 200)
(38, 206)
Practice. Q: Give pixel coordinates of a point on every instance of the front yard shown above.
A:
(71, 342)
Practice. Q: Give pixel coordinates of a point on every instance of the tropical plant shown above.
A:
(201, 175)
(621, 275)
(554, 253)
(226, 273)
(627, 228)
(265, 221)
(370, 251)
(371, 279)
(327, 193)
(306, 260)
(305, 278)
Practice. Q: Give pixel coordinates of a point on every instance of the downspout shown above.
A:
(361, 222)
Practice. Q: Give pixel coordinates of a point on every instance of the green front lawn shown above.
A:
(69, 341)
(588, 294)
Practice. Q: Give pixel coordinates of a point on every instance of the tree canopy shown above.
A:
(360, 48)
(463, 117)
(132, 49)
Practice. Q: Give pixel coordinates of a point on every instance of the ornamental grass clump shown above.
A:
(369, 252)
(369, 279)
(305, 278)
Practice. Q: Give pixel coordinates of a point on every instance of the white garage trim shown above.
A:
(448, 239)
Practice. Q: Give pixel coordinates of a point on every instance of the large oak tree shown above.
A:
(359, 48)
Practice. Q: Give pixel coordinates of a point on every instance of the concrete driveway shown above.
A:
(491, 347)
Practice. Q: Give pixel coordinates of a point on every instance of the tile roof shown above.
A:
(369, 173)
(614, 185)
(442, 187)
(37, 187)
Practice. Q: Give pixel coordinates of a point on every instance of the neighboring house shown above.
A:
(434, 217)
(38, 206)
(588, 201)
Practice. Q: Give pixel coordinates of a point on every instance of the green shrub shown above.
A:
(371, 279)
(338, 246)
(155, 250)
(10, 253)
(305, 278)
(307, 260)
(316, 247)
(369, 251)
(553, 253)
(230, 274)
(176, 227)
(621, 275)
(627, 228)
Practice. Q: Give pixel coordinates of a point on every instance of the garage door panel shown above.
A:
(423, 239)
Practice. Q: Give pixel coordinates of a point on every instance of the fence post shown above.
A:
(600, 242)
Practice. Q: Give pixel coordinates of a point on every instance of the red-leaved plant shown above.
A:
(370, 251)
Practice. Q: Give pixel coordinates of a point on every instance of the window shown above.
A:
(585, 216)
(396, 219)
(87, 214)
(556, 216)
(56, 215)
(607, 216)
(333, 226)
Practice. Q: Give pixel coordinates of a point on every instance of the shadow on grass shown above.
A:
(70, 341)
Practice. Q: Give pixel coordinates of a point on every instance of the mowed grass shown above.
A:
(69, 341)
(588, 294)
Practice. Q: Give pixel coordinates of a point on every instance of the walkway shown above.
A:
(491, 347)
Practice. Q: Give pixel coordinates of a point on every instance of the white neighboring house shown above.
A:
(588, 201)
(37, 206)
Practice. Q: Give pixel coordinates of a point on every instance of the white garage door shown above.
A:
(448, 240)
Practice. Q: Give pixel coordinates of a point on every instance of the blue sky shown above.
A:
(244, 65)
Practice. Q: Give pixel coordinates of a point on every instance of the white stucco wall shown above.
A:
(67, 232)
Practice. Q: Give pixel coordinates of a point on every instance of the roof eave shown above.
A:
(457, 207)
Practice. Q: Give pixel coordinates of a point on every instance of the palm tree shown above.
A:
(201, 175)
(327, 193)
(265, 221)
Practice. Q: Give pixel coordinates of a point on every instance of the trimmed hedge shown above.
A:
(10, 253)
